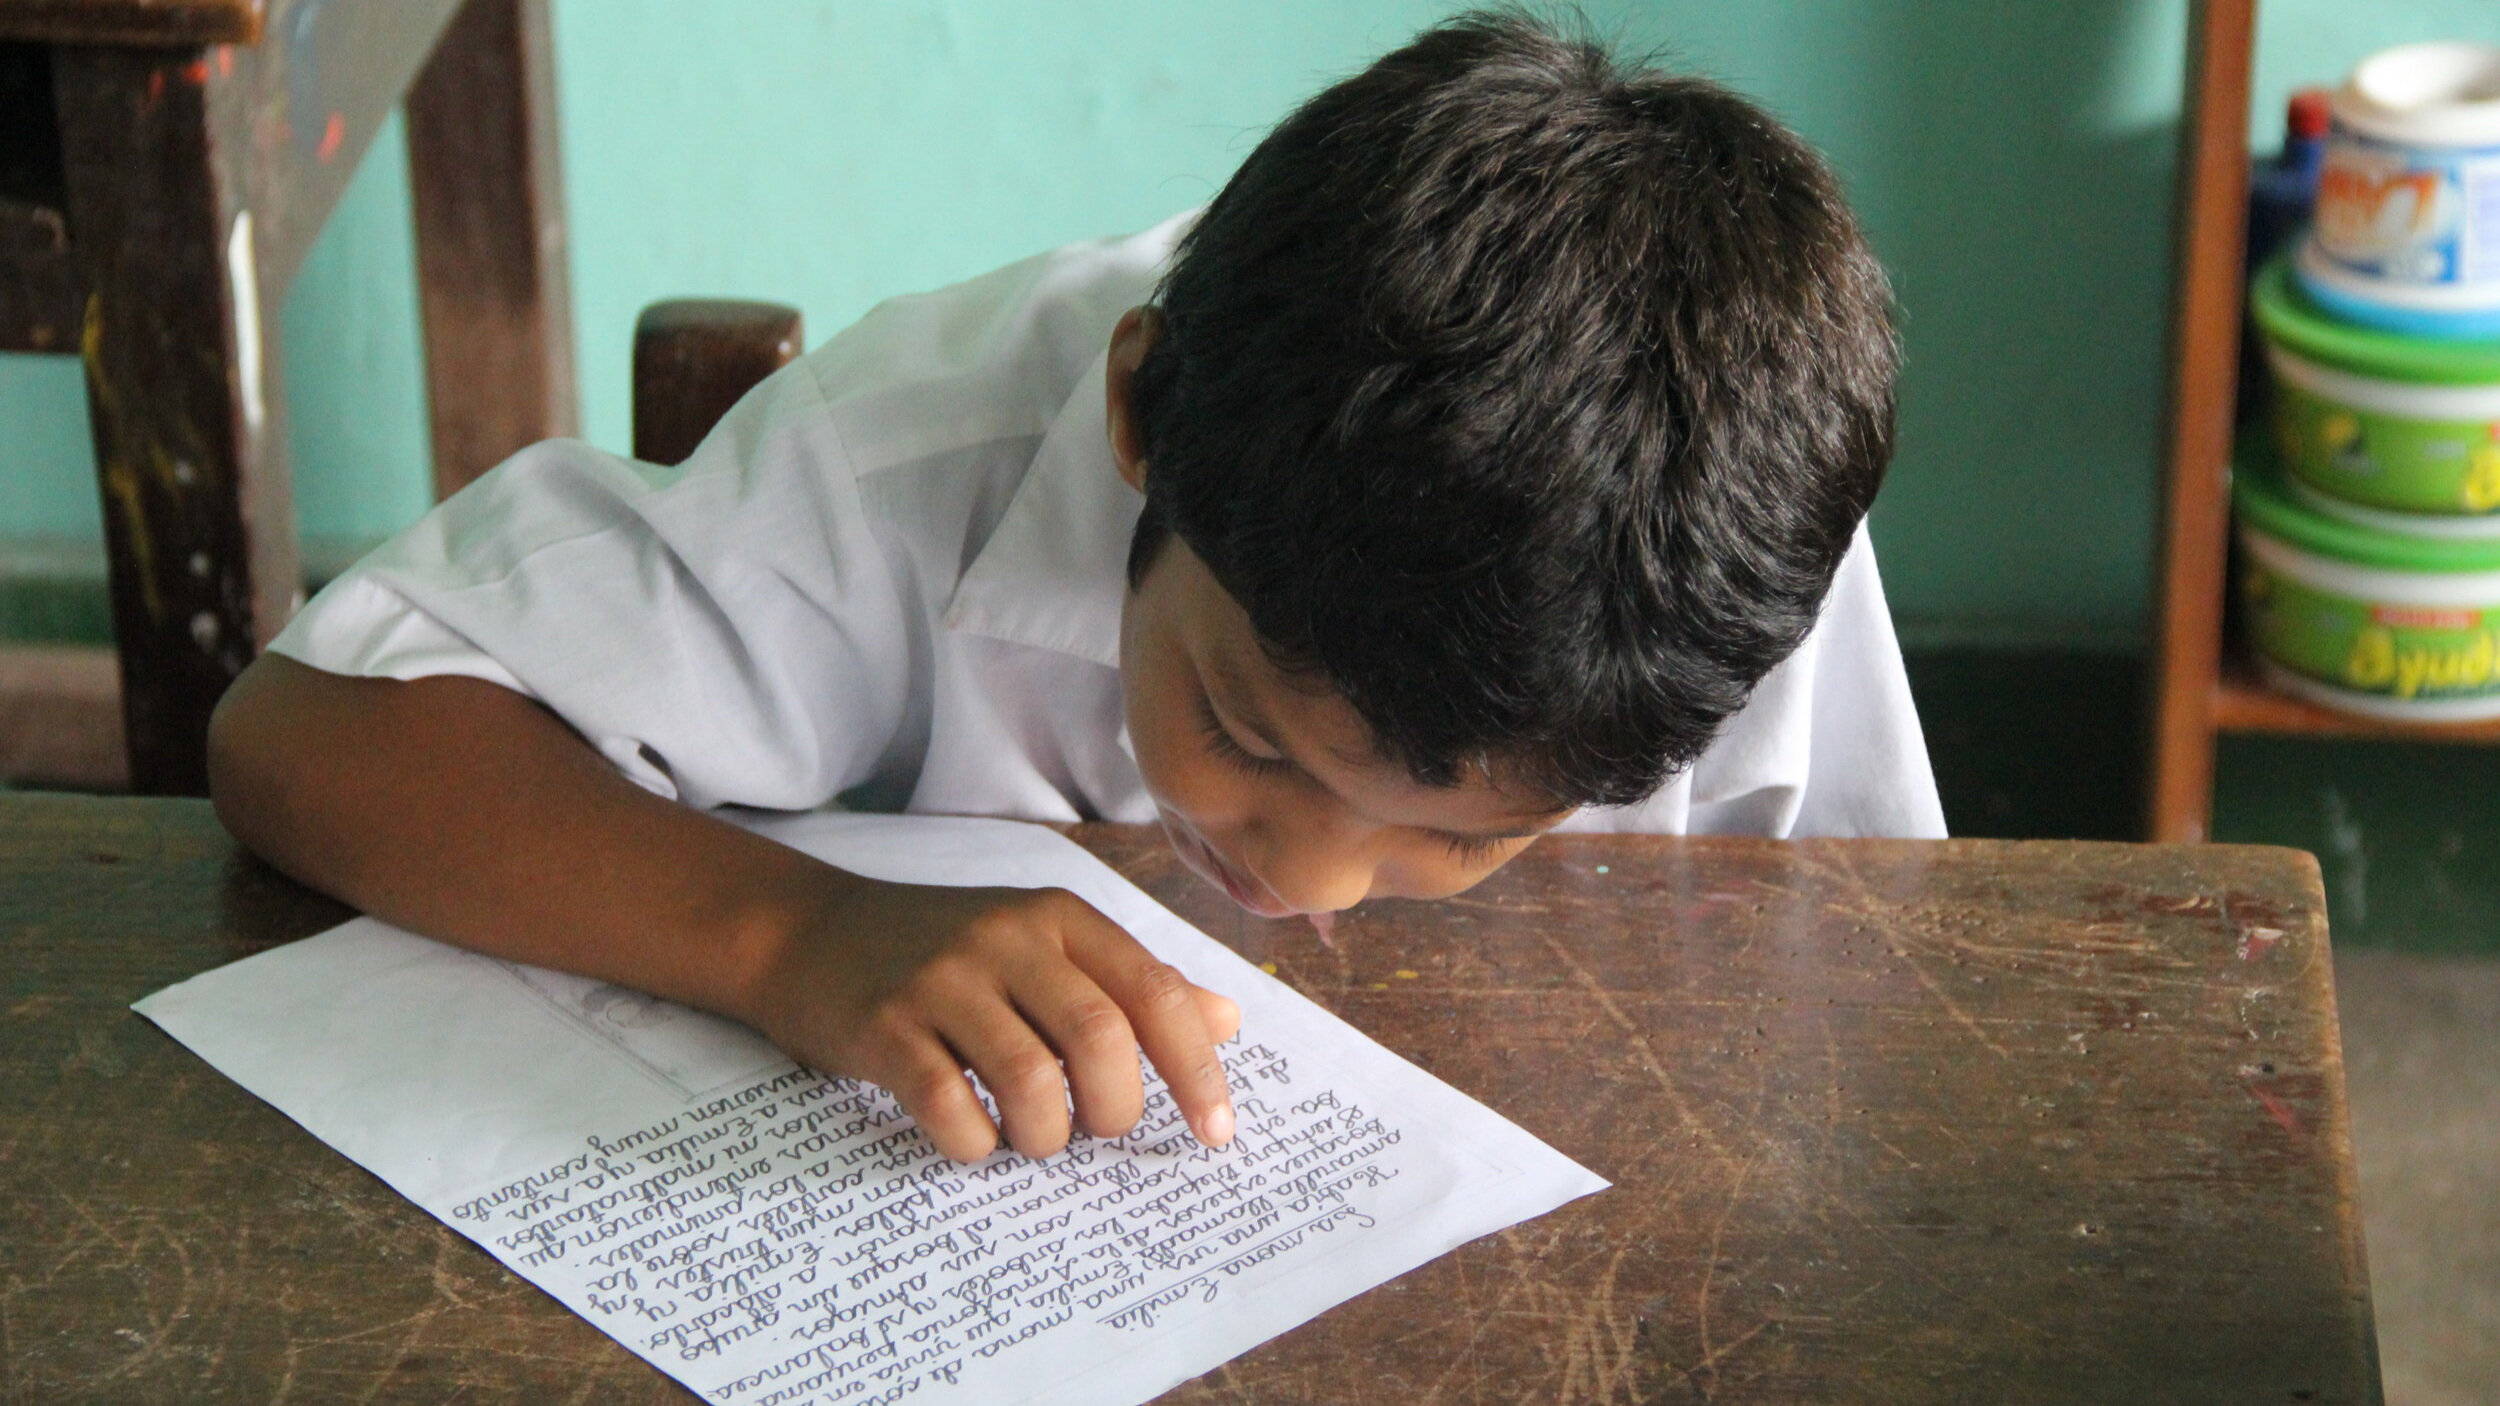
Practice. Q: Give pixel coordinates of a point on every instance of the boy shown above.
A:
(1495, 436)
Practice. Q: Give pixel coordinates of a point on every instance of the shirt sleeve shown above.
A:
(1829, 744)
(1868, 772)
(727, 631)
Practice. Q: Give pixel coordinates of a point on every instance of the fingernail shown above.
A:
(1217, 1127)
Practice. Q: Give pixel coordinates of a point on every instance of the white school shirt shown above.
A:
(893, 576)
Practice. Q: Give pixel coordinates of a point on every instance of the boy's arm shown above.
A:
(457, 808)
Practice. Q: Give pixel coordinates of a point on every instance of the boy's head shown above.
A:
(1522, 408)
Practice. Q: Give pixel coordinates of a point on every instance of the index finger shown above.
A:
(1171, 1026)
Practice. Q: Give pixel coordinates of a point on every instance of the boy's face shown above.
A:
(1270, 785)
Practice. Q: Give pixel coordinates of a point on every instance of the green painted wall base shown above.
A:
(2049, 744)
(2033, 743)
(2408, 834)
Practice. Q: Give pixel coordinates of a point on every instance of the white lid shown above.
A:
(2445, 93)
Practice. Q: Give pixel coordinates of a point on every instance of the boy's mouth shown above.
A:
(1203, 860)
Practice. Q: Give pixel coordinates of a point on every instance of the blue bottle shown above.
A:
(2282, 191)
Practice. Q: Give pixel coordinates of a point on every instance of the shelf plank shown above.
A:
(2244, 705)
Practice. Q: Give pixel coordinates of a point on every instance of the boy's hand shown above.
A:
(460, 809)
(907, 986)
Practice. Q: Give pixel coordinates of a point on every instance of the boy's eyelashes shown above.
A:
(1474, 849)
(1463, 849)
(1220, 740)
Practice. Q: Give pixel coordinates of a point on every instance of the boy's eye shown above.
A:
(1471, 850)
(1222, 744)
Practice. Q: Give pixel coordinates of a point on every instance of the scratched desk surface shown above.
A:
(1888, 1122)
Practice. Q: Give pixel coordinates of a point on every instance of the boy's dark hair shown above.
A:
(1527, 400)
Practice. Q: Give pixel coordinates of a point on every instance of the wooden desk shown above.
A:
(165, 166)
(1889, 1122)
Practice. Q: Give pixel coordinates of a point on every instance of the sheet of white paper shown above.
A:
(769, 1236)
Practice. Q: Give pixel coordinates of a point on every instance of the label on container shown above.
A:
(2388, 461)
(2401, 652)
(2420, 216)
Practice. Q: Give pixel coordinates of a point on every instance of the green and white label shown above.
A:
(2389, 461)
(2402, 652)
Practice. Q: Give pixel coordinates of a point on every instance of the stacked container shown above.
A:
(2371, 518)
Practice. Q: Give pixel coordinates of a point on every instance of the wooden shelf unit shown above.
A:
(2202, 688)
(2244, 704)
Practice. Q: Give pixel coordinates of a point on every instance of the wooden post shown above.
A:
(488, 202)
(183, 392)
(2204, 355)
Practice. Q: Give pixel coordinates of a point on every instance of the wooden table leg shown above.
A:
(189, 424)
(489, 208)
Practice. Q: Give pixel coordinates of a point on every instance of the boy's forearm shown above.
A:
(462, 810)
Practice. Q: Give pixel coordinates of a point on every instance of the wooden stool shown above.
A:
(165, 165)
(693, 359)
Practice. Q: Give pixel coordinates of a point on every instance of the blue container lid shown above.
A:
(2463, 325)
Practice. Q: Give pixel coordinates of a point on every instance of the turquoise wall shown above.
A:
(2013, 163)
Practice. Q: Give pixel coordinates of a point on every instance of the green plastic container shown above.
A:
(2379, 418)
(2354, 616)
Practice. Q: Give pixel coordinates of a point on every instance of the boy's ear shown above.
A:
(1138, 328)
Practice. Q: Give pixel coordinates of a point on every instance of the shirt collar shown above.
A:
(1055, 571)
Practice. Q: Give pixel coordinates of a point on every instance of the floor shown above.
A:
(2422, 1067)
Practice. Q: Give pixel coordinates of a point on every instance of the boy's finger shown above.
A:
(1021, 1073)
(1094, 1041)
(926, 1078)
(1221, 1013)
(1164, 1010)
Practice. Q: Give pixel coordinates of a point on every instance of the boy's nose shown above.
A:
(1317, 872)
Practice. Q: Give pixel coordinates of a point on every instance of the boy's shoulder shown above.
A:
(992, 358)
(958, 437)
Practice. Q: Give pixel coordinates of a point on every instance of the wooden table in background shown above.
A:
(1887, 1121)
